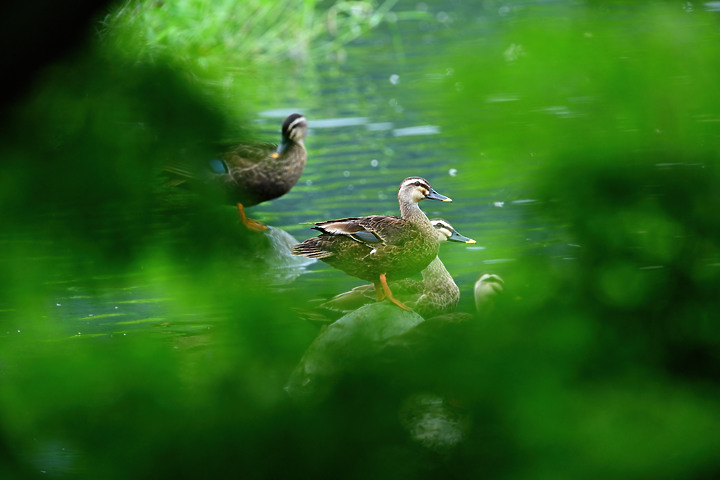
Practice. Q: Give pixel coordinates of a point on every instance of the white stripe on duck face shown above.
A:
(297, 121)
(444, 229)
(416, 188)
(440, 223)
(294, 127)
(415, 182)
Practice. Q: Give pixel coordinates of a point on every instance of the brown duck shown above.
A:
(379, 248)
(436, 294)
(251, 174)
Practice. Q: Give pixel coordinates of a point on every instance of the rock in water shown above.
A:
(358, 335)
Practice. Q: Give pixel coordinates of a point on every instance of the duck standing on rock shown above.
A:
(379, 248)
(254, 173)
(436, 294)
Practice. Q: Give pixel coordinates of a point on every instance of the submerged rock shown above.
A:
(359, 335)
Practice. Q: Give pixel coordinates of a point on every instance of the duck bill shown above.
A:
(433, 195)
(456, 237)
(281, 148)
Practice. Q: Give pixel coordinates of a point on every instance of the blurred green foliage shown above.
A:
(603, 367)
(610, 362)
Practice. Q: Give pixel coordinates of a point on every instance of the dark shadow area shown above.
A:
(38, 33)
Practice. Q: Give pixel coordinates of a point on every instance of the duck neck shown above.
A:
(410, 210)
(436, 274)
(440, 292)
(293, 149)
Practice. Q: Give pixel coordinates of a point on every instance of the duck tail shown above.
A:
(310, 249)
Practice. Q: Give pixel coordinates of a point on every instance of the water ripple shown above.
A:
(339, 122)
(419, 130)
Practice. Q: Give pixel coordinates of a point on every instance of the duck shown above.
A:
(486, 291)
(436, 294)
(440, 292)
(249, 174)
(380, 248)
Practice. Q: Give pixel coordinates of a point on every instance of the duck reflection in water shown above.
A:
(421, 364)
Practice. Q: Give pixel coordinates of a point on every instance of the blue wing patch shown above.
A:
(218, 166)
(366, 237)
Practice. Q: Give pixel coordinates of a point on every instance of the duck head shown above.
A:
(447, 232)
(294, 130)
(418, 189)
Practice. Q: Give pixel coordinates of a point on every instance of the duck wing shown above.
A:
(234, 155)
(245, 155)
(371, 230)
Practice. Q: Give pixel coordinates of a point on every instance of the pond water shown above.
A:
(373, 121)
(379, 116)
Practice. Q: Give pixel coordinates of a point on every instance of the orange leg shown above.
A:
(249, 222)
(379, 292)
(389, 295)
